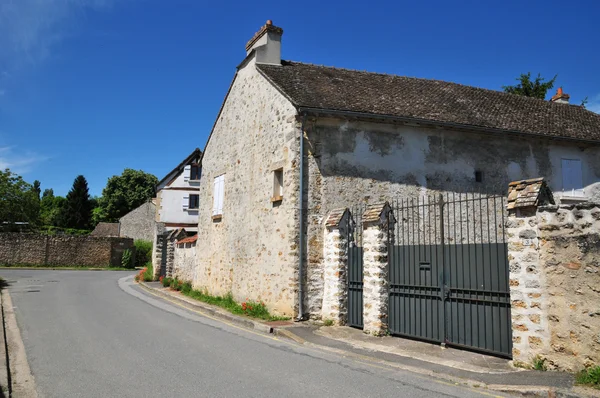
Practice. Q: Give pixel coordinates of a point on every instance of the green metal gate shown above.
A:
(448, 272)
(355, 268)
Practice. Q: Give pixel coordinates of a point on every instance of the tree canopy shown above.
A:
(124, 193)
(537, 88)
(18, 201)
(77, 212)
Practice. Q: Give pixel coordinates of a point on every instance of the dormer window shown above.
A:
(195, 172)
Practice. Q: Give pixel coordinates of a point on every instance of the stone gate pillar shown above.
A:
(376, 232)
(335, 291)
(530, 333)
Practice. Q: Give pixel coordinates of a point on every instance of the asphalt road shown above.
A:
(95, 334)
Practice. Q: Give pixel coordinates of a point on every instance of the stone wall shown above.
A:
(56, 251)
(554, 257)
(159, 250)
(184, 261)
(252, 250)
(139, 223)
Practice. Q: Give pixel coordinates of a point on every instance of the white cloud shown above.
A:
(31, 29)
(17, 161)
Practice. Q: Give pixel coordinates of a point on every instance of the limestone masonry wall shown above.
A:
(44, 250)
(185, 261)
(252, 250)
(554, 256)
(139, 223)
(570, 257)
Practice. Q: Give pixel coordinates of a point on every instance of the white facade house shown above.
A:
(177, 195)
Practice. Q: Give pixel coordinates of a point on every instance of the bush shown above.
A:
(51, 230)
(165, 281)
(143, 252)
(255, 309)
(186, 287)
(589, 377)
(127, 259)
(146, 274)
(176, 284)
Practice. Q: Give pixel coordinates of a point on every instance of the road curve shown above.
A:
(96, 334)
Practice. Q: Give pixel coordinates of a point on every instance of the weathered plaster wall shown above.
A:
(184, 261)
(139, 223)
(253, 250)
(360, 162)
(33, 249)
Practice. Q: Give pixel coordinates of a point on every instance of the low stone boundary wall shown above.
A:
(68, 251)
(555, 284)
(184, 260)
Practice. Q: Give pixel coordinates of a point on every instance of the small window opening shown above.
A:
(194, 202)
(478, 176)
(277, 185)
(195, 172)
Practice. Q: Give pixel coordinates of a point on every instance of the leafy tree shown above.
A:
(36, 188)
(18, 202)
(77, 212)
(52, 209)
(537, 88)
(124, 193)
(48, 192)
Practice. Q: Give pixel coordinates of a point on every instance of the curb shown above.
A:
(22, 383)
(212, 310)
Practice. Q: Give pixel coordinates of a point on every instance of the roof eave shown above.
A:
(196, 153)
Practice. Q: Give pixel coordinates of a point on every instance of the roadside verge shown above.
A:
(19, 380)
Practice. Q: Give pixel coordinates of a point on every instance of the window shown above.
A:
(194, 201)
(277, 185)
(572, 177)
(195, 172)
(218, 195)
(478, 176)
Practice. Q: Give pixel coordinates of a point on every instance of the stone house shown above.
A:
(177, 194)
(138, 224)
(365, 138)
(177, 206)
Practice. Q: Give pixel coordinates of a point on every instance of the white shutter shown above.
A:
(187, 171)
(216, 196)
(221, 193)
(185, 202)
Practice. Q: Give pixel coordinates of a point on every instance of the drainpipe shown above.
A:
(301, 240)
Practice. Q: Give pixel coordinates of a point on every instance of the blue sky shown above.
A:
(94, 86)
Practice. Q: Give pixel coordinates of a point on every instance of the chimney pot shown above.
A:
(560, 97)
(269, 22)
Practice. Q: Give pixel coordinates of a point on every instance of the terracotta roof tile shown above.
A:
(189, 239)
(528, 193)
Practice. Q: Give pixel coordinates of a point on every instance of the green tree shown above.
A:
(124, 193)
(528, 88)
(52, 209)
(36, 188)
(77, 212)
(18, 202)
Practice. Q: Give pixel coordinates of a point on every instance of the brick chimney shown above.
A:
(267, 44)
(560, 97)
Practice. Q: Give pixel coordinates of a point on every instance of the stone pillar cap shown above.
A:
(377, 213)
(529, 193)
(335, 217)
